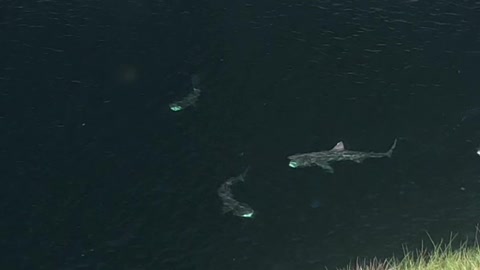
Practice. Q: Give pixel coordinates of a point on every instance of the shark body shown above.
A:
(337, 153)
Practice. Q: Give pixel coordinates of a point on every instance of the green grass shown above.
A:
(441, 257)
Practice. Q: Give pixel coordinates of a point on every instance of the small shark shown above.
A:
(337, 153)
(229, 203)
(187, 101)
(190, 99)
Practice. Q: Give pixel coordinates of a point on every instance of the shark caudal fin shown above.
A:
(390, 151)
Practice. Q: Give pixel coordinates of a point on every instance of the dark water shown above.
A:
(98, 173)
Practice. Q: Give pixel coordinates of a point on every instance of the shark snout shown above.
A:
(293, 164)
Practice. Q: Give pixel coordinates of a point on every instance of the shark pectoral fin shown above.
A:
(326, 167)
(358, 160)
(226, 209)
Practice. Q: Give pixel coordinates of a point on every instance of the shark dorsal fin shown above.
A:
(338, 147)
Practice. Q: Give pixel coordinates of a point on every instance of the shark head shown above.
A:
(248, 214)
(175, 107)
(293, 164)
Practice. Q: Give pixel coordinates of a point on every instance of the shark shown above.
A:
(337, 153)
(190, 99)
(229, 203)
(187, 101)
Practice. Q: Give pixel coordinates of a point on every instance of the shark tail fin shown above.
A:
(390, 151)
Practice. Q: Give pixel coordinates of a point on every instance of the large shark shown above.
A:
(337, 153)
